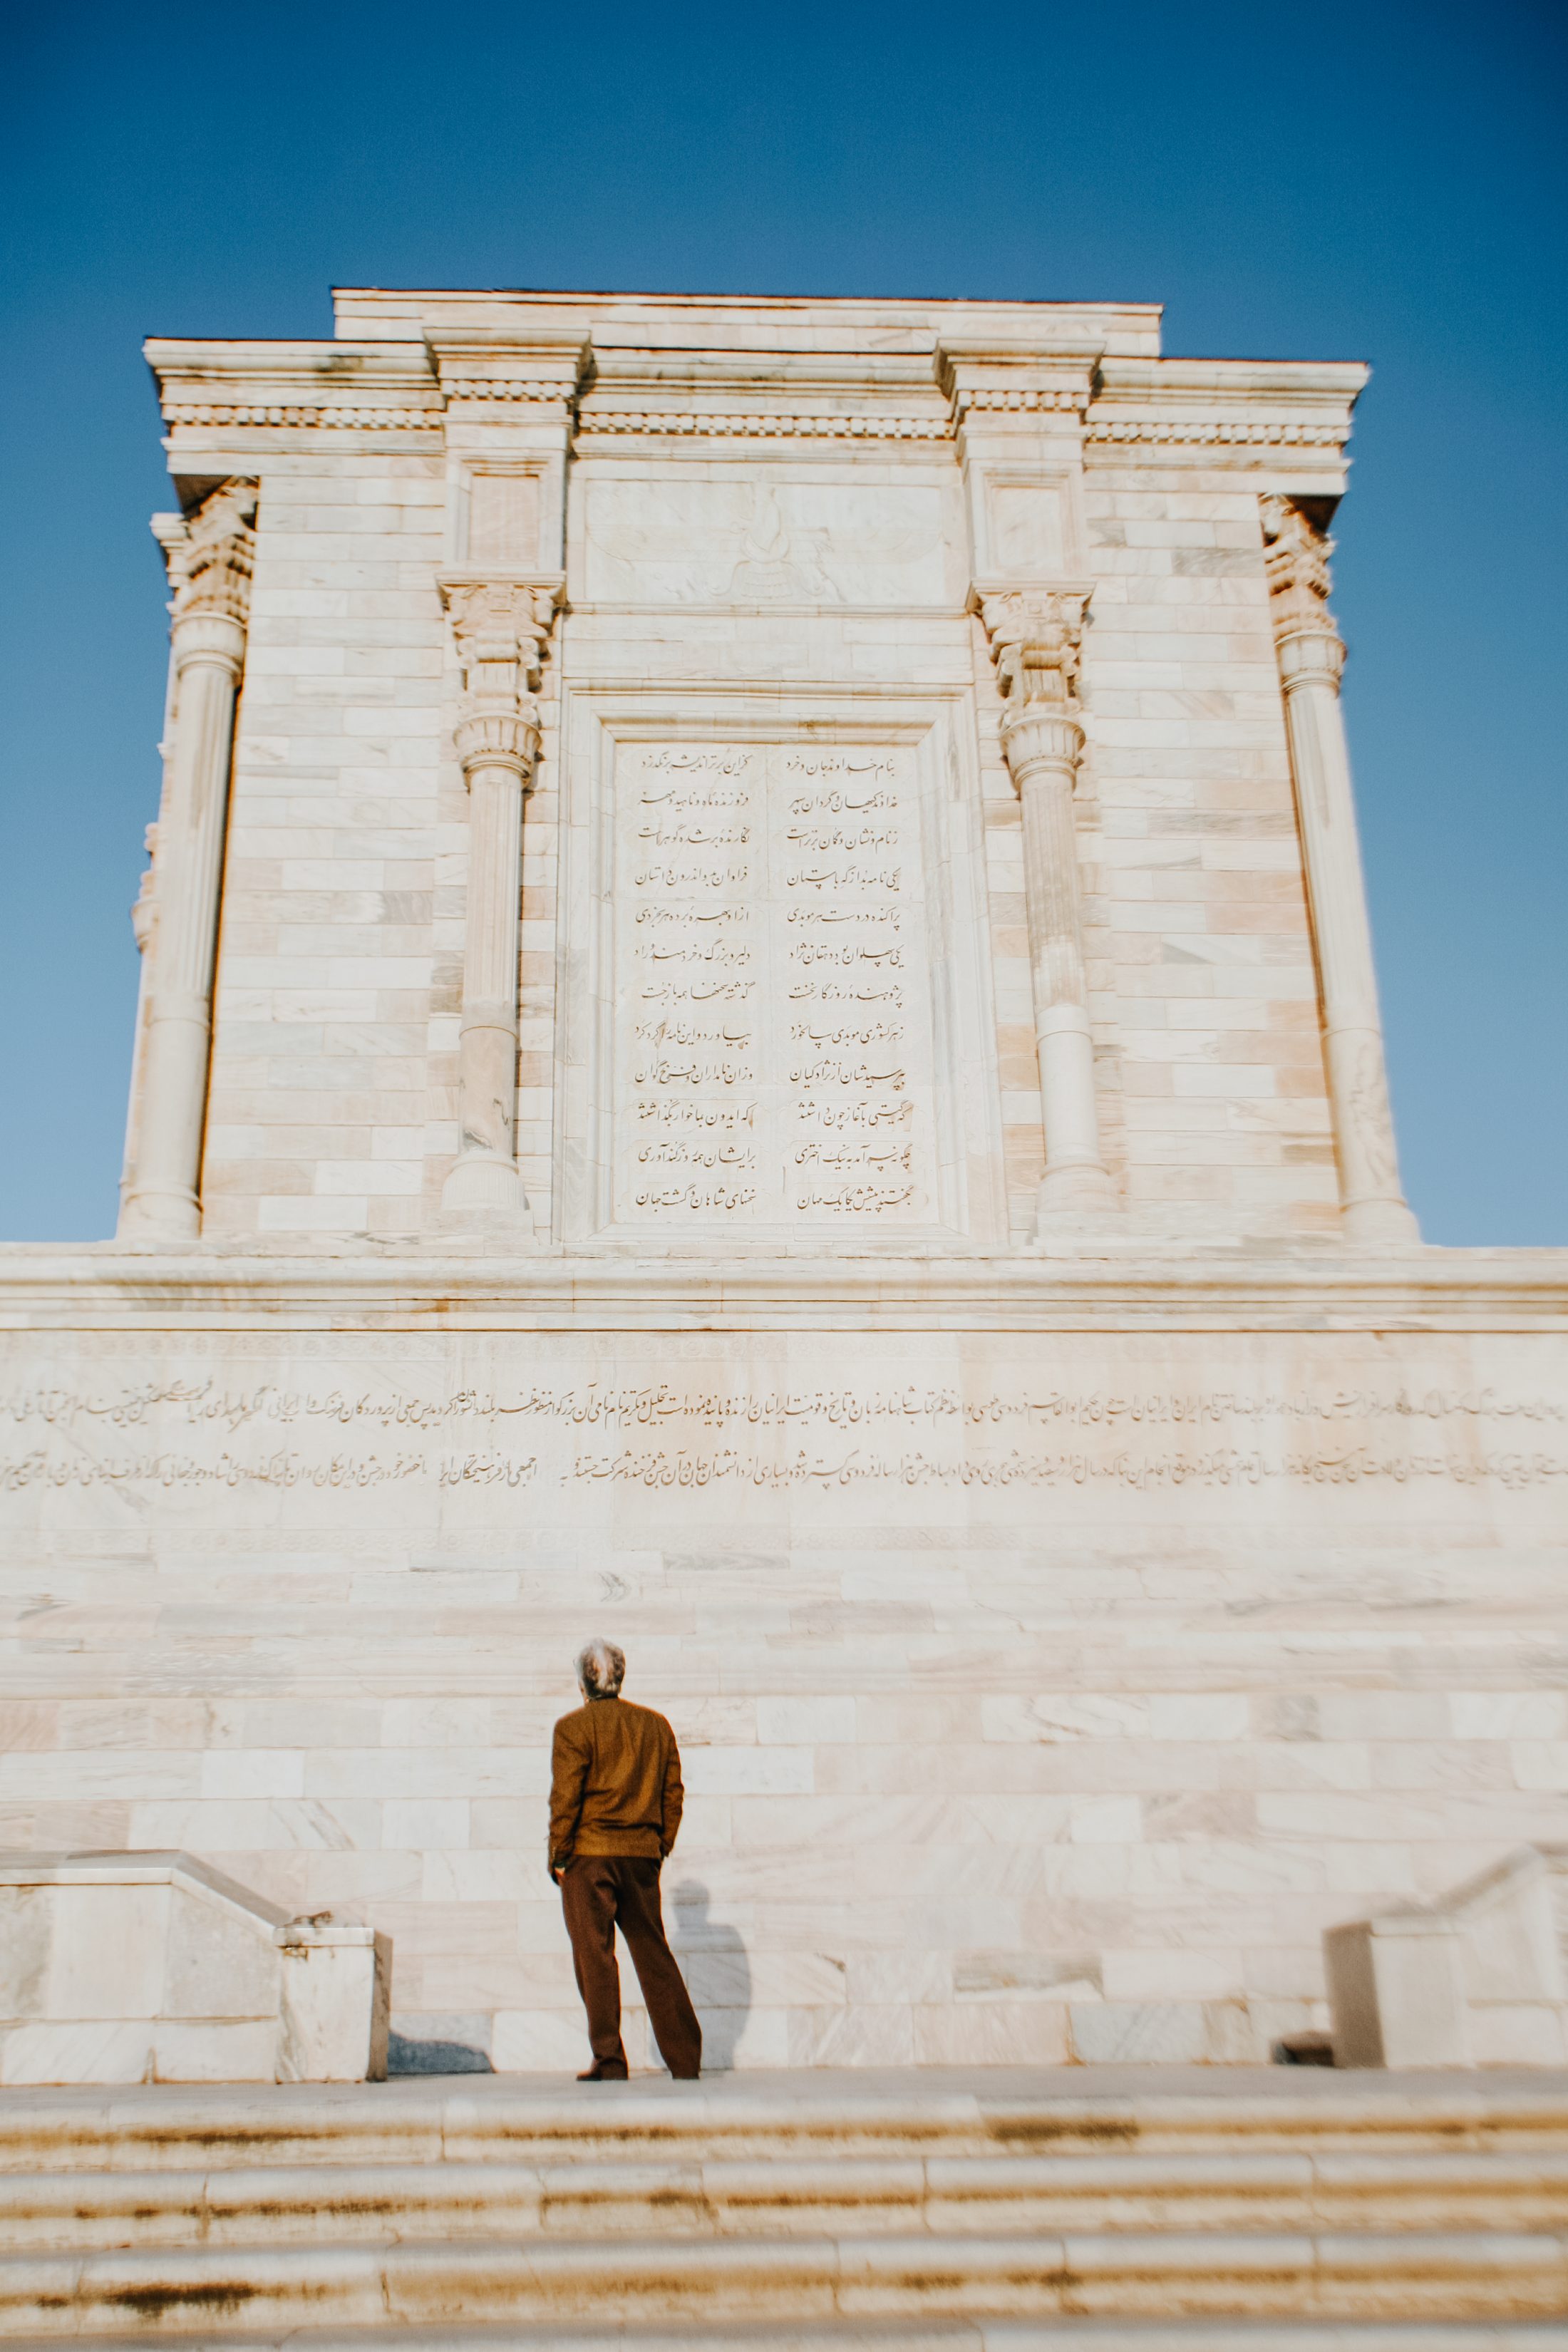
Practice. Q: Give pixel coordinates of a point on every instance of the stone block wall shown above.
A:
(1040, 1696)
(331, 988)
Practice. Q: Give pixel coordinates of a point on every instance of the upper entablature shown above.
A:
(734, 322)
(1291, 417)
(366, 387)
(455, 371)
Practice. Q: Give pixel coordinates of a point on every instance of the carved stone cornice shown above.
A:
(1296, 562)
(528, 378)
(215, 389)
(993, 384)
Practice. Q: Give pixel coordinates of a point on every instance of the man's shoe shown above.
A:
(605, 2070)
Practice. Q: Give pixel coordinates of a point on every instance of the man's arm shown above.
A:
(674, 1799)
(568, 1778)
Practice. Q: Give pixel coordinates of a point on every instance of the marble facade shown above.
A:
(759, 1035)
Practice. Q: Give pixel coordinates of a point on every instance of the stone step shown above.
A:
(879, 2335)
(187, 2291)
(216, 2128)
(893, 2211)
(356, 2204)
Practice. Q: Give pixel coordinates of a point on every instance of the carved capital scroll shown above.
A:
(501, 624)
(1036, 636)
(1296, 564)
(212, 569)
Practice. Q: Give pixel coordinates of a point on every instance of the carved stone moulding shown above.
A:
(1225, 406)
(1030, 401)
(295, 387)
(509, 388)
(310, 416)
(994, 380)
(540, 370)
(764, 424)
(1212, 432)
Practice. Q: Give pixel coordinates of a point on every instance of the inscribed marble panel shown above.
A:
(765, 540)
(773, 1062)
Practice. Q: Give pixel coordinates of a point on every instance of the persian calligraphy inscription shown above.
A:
(773, 1043)
(884, 1433)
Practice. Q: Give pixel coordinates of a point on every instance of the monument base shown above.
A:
(1057, 1647)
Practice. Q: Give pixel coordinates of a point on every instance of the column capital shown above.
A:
(499, 739)
(1296, 551)
(211, 561)
(1036, 638)
(1036, 632)
(1039, 741)
(501, 623)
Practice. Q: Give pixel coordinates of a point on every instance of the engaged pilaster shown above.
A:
(1311, 656)
(211, 612)
(501, 624)
(1035, 642)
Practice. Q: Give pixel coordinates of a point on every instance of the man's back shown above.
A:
(616, 1784)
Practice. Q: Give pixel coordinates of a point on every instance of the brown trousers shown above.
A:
(600, 1892)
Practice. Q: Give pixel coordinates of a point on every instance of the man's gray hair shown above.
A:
(601, 1668)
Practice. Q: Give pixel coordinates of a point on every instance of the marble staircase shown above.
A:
(994, 2207)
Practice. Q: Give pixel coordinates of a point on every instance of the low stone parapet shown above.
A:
(1475, 1980)
(133, 1967)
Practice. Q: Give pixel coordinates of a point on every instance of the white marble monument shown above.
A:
(759, 1035)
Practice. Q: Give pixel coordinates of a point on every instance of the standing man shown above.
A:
(615, 1807)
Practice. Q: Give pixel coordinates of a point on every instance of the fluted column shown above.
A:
(1311, 656)
(500, 625)
(1035, 641)
(211, 610)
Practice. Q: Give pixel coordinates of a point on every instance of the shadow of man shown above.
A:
(714, 1964)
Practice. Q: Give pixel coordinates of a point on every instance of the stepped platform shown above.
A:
(995, 2207)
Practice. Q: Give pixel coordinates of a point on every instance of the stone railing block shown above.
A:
(151, 1966)
(1476, 1979)
(336, 1997)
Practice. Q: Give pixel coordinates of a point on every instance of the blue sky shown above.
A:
(1384, 183)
